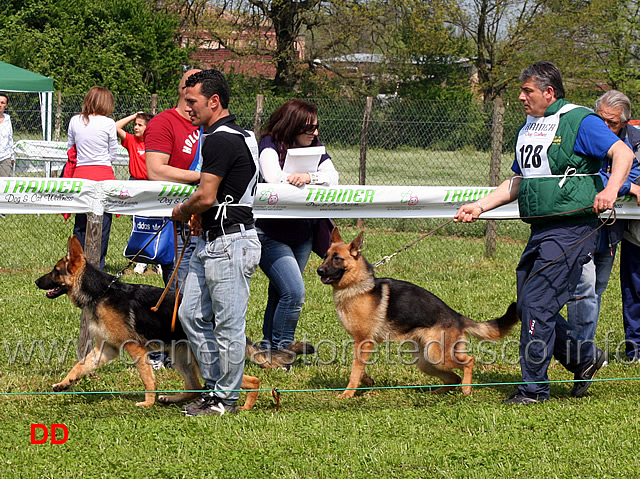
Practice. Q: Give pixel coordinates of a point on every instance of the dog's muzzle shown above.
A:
(330, 275)
(53, 290)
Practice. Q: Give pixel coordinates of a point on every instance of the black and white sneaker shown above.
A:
(208, 404)
(583, 379)
(518, 398)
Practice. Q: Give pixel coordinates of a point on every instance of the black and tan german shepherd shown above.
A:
(119, 317)
(373, 310)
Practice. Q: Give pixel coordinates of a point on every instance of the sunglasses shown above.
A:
(310, 128)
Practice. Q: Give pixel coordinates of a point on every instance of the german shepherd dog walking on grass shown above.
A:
(373, 310)
(120, 319)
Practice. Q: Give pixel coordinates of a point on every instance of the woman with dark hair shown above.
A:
(287, 243)
(94, 136)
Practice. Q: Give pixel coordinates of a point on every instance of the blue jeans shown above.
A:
(582, 314)
(214, 308)
(283, 265)
(183, 267)
(80, 230)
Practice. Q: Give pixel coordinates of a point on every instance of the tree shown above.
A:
(499, 30)
(123, 45)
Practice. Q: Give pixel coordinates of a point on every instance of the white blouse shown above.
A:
(96, 143)
(6, 139)
(270, 167)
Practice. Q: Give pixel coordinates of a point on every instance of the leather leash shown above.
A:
(604, 223)
(174, 277)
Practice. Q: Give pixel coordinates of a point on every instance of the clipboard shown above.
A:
(303, 160)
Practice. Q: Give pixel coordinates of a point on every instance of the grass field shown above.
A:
(386, 432)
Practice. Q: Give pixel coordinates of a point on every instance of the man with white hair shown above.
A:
(614, 107)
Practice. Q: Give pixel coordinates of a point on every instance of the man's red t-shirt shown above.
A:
(135, 147)
(170, 133)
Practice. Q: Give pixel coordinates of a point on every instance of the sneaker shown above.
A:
(158, 359)
(583, 380)
(140, 268)
(208, 404)
(518, 398)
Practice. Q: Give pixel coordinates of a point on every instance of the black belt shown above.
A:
(211, 235)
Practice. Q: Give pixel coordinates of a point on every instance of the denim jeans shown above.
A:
(80, 230)
(214, 308)
(283, 265)
(582, 314)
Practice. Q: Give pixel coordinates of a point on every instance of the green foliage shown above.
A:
(120, 44)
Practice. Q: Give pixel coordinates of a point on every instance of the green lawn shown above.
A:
(387, 432)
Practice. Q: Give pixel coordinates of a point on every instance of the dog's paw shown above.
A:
(61, 386)
(347, 394)
(145, 403)
(368, 381)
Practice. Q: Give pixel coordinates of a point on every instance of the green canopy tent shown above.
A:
(15, 79)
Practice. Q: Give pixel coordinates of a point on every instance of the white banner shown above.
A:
(157, 198)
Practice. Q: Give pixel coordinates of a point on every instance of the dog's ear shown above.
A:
(75, 255)
(355, 247)
(335, 235)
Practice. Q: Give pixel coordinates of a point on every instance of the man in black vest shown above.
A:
(216, 291)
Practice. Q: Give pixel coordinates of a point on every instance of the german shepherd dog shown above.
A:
(119, 317)
(374, 309)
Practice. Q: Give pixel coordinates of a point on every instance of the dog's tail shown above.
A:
(269, 358)
(496, 328)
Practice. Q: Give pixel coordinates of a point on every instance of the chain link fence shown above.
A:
(376, 141)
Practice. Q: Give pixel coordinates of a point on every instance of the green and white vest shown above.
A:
(555, 178)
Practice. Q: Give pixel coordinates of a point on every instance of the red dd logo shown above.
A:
(55, 439)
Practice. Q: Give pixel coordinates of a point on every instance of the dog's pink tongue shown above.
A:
(325, 279)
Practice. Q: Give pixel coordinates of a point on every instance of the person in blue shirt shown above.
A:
(582, 312)
(559, 151)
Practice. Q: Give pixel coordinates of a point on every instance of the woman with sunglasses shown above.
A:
(287, 243)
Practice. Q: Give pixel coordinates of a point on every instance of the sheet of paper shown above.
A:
(303, 160)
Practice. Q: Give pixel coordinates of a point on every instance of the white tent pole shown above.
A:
(46, 113)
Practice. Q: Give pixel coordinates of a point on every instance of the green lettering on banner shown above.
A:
(19, 187)
(344, 196)
(319, 195)
(368, 197)
(468, 195)
(356, 196)
(175, 190)
(481, 194)
(32, 187)
(50, 187)
(331, 195)
(456, 195)
(187, 190)
(76, 186)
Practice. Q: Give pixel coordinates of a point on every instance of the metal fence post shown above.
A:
(92, 250)
(497, 131)
(56, 134)
(363, 147)
(257, 118)
(154, 103)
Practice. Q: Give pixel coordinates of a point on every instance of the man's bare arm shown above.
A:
(158, 169)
